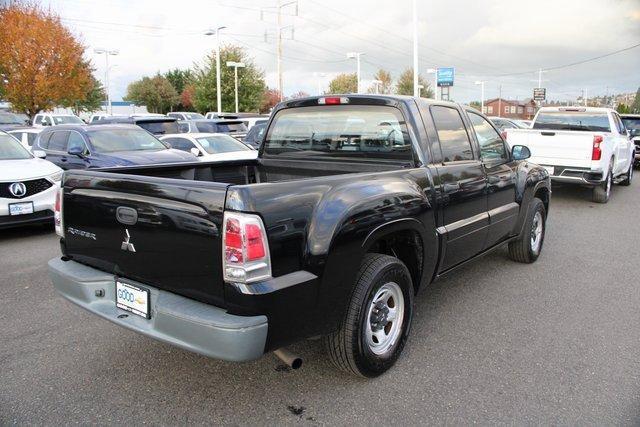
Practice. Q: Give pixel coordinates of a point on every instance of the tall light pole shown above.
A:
(377, 84)
(356, 55)
(416, 89)
(106, 53)
(434, 71)
(318, 77)
(481, 83)
(235, 66)
(216, 32)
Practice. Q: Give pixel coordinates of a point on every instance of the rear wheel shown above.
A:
(602, 192)
(627, 180)
(374, 331)
(527, 247)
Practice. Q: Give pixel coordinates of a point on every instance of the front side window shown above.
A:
(221, 144)
(454, 140)
(492, 148)
(572, 120)
(10, 149)
(113, 140)
(340, 131)
(181, 144)
(31, 138)
(58, 141)
(38, 120)
(76, 141)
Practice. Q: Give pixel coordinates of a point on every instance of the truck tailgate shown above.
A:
(554, 147)
(157, 231)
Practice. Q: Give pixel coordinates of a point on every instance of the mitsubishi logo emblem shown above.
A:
(127, 245)
(18, 189)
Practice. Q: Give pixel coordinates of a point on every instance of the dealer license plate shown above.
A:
(132, 299)
(20, 208)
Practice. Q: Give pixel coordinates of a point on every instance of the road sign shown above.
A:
(539, 94)
(445, 76)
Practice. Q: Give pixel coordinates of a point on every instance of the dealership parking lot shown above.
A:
(552, 342)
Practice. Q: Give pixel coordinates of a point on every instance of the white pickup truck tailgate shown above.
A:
(553, 147)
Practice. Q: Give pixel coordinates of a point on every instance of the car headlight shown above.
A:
(57, 177)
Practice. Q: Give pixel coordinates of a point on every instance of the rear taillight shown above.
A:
(333, 100)
(57, 213)
(245, 248)
(596, 153)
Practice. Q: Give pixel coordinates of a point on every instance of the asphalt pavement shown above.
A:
(556, 342)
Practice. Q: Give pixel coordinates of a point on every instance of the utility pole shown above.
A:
(356, 56)
(211, 32)
(416, 89)
(279, 49)
(107, 52)
(279, 28)
(500, 101)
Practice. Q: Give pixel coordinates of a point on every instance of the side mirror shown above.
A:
(520, 152)
(195, 152)
(39, 154)
(76, 151)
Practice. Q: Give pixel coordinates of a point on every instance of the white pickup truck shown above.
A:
(581, 145)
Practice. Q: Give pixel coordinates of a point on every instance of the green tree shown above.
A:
(155, 92)
(270, 99)
(405, 85)
(635, 106)
(387, 82)
(476, 105)
(344, 83)
(180, 79)
(251, 85)
(623, 109)
(93, 99)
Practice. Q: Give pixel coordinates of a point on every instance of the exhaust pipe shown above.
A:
(293, 361)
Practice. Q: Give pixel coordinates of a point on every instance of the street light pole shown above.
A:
(481, 83)
(107, 52)
(216, 32)
(377, 84)
(356, 55)
(235, 66)
(416, 89)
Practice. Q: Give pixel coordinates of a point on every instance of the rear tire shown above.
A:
(627, 181)
(375, 328)
(527, 247)
(602, 192)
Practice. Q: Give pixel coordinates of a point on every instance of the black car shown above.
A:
(632, 123)
(10, 121)
(235, 128)
(354, 204)
(255, 134)
(157, 125)
(102, 146)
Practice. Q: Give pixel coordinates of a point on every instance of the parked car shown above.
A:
(28, 185)
(210, 146)
(26, 135)
(49, 119)
(632, 124)
(156, 124)
(185, 115)
(503, 123)
(95, 117)
(580, 145)
(10, 121)
(255, 134)
(235, 128)
(250, 122)
(354, 204)
(100, 146)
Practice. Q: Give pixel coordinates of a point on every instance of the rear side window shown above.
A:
(31, 138)
(344, 131)
(572, 120)
(454, 140)
(58, 141)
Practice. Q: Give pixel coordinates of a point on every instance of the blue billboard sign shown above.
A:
(445, 76)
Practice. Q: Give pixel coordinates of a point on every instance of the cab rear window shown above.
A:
(340, 131)
(569, 120)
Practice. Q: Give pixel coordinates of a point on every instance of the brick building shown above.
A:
(523, 110)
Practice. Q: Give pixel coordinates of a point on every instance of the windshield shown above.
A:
(10, 149)
(572, 120)
(221, 144)
(193, 116)
(222, 127)
(346, 131)
(63, 120)
(631, 123)
(159, 128)
(111, 140)
(10, 119)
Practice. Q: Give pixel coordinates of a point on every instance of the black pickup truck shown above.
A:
(354, 203)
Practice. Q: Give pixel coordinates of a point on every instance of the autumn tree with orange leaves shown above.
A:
(41, 61)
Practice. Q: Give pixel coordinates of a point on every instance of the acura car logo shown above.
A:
(18, 189)
(127, 245)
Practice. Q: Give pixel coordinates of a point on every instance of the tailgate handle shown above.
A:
(126, 215)
(547, 133)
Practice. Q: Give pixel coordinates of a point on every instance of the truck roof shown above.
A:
(577, 109)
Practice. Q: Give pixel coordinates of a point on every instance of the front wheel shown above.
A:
(527, 247)
(374, 331)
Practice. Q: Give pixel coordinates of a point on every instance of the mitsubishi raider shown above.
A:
(353, 205)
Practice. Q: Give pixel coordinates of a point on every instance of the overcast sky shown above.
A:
(487, 40)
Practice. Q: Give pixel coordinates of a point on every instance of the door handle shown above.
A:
(451, 187)
(63, 159)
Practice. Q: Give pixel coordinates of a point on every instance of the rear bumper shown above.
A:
(39, 217)
(176, 320)
(576, 175)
